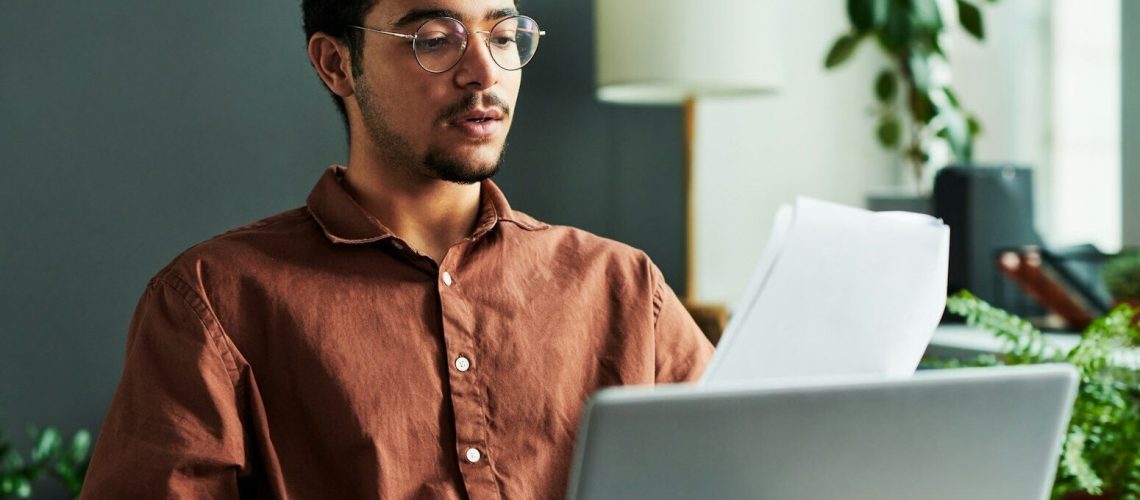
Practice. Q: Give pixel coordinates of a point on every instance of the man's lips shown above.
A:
(479, 123)
(482, 114)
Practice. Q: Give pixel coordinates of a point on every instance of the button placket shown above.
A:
(466, 391)
(462, 363)
(473, 455)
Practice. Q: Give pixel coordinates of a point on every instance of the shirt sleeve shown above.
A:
(174, 428)
(681, 349)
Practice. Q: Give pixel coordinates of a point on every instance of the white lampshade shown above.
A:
(665, 51)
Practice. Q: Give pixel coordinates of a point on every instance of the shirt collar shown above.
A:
(345, 221)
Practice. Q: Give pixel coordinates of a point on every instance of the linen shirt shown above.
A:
(314, 354)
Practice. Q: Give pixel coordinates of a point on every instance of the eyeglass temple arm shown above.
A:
(542, 33)
(401, 35)
(413, 37)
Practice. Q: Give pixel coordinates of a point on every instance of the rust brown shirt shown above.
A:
(313, 354)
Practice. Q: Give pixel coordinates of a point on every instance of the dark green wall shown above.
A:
(131, 129)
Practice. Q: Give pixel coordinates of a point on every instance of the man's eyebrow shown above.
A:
(419, 15)
(415, 15)
(501, 13)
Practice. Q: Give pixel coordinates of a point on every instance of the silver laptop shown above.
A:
(978, 433)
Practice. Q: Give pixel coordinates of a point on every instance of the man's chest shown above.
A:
(410, 360)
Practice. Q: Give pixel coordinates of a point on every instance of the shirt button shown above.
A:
(462, 364)
(473, 455)
(398, 245)
(447, 278)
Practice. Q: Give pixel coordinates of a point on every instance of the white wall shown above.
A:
(1086, 123)
(1046, 85)
(813, 137)
(1006, 82)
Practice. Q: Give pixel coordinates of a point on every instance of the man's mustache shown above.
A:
(472, 101)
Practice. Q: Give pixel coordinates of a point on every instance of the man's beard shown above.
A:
(435, 162)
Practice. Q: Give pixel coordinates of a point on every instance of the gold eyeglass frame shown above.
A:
(466, 41)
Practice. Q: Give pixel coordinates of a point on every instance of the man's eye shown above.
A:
(433, 42)
(503, 39)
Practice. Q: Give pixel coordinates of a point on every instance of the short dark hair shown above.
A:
(333, 18)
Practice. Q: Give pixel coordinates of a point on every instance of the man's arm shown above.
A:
(174, 428)
(682, 350)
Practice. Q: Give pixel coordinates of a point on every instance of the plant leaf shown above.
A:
(936, 44)
(926, 16)
(895, 35)
(974, 125)
(23, 488)
(841, 50)
(861, 14)
(950, 95)
(866, 15)
(957, 134)
(80, 446)
(971, 18)
(47, 444)
(919, 69)
(886, 86)
(1121, 275)
(1074, 464)
(921, 107)
(889, 131)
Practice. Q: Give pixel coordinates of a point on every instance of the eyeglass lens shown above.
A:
(440, 43)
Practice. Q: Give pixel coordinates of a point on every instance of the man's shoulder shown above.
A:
(583, 245)
(235, 248)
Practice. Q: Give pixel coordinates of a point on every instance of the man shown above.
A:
(406, 334)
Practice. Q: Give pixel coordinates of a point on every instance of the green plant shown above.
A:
(68, 463)
(1122, 276)
(912, 35)
(1100, 452)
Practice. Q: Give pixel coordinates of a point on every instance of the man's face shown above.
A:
(452, 125)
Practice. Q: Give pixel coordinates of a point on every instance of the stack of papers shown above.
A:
(838, 291)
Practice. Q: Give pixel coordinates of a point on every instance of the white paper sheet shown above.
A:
(838, 291)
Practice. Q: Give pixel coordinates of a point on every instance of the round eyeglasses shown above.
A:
(440, 43)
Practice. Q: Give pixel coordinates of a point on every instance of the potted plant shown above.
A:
(1121, 276)
(916, 106)
(50, 454)
(1100, 457)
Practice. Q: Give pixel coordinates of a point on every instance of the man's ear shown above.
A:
(331, 60)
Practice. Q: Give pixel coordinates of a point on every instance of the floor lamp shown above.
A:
(672, 52)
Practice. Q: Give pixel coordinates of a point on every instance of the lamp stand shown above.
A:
(689, 231)
(711, 318)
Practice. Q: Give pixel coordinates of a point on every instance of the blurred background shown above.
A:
(132, 129)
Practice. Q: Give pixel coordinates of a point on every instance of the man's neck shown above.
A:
(429, 214)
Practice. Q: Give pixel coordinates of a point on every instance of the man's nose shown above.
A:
(477, 69)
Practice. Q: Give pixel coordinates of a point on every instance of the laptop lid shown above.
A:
(979, 433)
